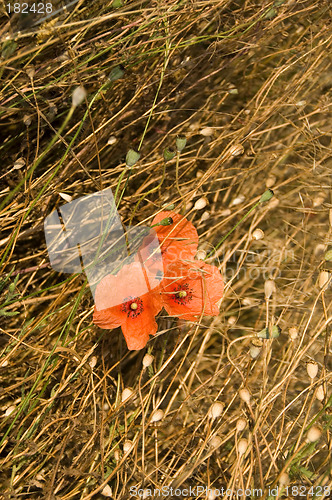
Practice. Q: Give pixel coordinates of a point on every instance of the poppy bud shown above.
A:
(258, 234)
(284, 479)
(78, 96)
(266, 196)
(165, 222)
(269, 288)
(116, 73)
(107, 491)
(169, 154)
(206, 131)
(126, 394)
(320, 393)
(132, 157)
(147, 360)
(236, 150)
(200, 203)
(328, 255)
(181, 142)
(127, 446)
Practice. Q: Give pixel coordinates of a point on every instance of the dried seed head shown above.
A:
(258, 234)
(293, 332)
(242, 446)
(93, 361)
(126, 394)
(216, 410)
(147, 360)
(111, 140)
(323, 279)
(10, 410)
(66, 197)
(235, 150)
(127, 446)
(269, 288)
(320, 393)
(201, 254)
(199, 174)
(270, 181)
(107, 491)
(284, 479)
(212, 494)
(78, 96)
(157, 415)
(19, 163)
(314, 433)
(180, 142)
(200, 203)
(238, 200)
(30, 71)
(205, 216)
(132, 157)
(231, 320)
(206, 131)
(27, 120)
(312, 369)
(245, 395)
(241, 424)
(319, 199)
(117, 455)
(255, 351)
(215, 442)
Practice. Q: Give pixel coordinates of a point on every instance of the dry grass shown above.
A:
(258, 73)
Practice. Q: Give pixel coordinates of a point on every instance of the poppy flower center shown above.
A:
(132, 306)
(183, 294)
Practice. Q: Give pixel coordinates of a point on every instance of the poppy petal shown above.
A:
(178, 240)
(190, 289)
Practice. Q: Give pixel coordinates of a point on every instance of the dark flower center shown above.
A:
(132, 306)
(182, 294)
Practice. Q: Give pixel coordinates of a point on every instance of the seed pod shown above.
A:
(266, 196)
(215, 442)
(126, 394)
(242, 446)
(216, 410)
(111, 140)
(236, 150)
(169, 154)
(205, 216)
(323, 279)
(116, 73)
(293, 332)
(254, 351)
(328, 255)
(157, 415)
(241, 424)
(270, 181)
(180, 142)
(312, 369)
(93, 362)
(320, 394)
(269, 288)
(78, 96)
(238, 200)
(314, 433)
(200, 203)
(258, 234)
(132, 157)
(127, 446)
(284, 479)
(147, 360)
(165, 222)
(206, 131)
(245, 395)
(201, 254)
(106, 491)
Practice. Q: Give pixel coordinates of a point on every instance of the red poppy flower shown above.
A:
(131, 300)
(190, 289)
(178, 240)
